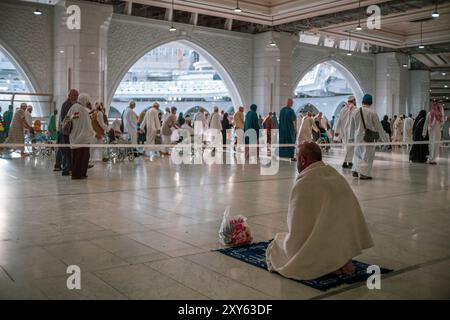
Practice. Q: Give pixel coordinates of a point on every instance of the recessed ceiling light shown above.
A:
(92, 52)
(446, 86)
(443, 73)
(61, 51)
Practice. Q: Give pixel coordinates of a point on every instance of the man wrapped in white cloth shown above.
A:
(153, 125)
(130, 122)
(342, 130)
(326, 227)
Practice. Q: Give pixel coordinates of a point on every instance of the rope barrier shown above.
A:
(185, 145)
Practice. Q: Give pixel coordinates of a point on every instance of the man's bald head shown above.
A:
(307, 154)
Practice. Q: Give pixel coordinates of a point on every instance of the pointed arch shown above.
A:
(340, 65)
(215, 62)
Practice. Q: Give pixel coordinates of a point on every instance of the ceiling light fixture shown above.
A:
(358, 27)
(172, 27)
(272, 43)
(237, 9)
(435, 13)
(37, 12)
(421, 46)
(443, 73)
(405, 65)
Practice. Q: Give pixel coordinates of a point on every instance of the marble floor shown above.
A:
(145, 230)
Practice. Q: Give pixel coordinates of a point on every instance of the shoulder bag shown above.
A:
(369, 135)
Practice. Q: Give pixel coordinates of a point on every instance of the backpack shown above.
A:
(67, 126)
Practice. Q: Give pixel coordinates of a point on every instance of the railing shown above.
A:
(43, 104)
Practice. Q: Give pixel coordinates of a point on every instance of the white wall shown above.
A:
(28, 40)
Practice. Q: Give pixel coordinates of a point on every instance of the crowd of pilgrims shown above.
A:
(90, 125)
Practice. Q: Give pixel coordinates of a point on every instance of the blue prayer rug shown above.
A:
(255, 254)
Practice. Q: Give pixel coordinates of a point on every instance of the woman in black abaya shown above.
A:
(419, 152)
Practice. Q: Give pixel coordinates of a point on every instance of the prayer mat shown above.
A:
(255, 254)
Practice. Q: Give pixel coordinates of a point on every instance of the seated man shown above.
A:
(325, 222)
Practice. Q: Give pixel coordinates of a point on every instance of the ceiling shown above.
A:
(401, 20)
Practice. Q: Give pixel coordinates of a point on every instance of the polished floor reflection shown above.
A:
(145, 230)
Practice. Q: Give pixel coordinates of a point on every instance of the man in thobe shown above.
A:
(17, 127)
(130, 122)
(342, 130)
(364, 155)
(398, 127)
(239, 119)
(215, 122)
(153, 125)
(326, 227)
(287, 130)
(167, 128)
(408, 131)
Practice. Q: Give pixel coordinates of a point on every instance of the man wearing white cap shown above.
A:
(342, 130)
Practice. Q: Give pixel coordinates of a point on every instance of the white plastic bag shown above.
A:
(234, 230)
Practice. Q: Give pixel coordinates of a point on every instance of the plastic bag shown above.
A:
(234, 230)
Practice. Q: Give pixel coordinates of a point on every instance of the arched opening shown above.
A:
(326, 86)
(177, 74)
(308, 107)
(13, 83)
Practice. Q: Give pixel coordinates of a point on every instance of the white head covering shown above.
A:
(83, 99)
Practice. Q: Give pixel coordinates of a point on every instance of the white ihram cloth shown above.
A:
(326, 226)
(305, 132)
(130, 124)
(408, 130)
(151, 122)
(364, 155)
(342, 128)
(398, 127)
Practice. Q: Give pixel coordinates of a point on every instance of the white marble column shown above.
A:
(80, 54)
(419, 91)
(392, 84)
(272, 71)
